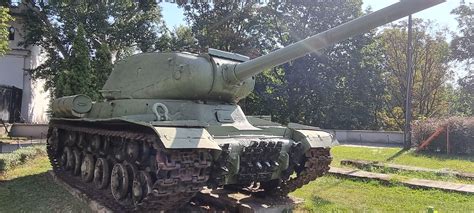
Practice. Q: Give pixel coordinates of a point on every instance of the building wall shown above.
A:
(368, 136)
(36, 100)
(14, 68)
(11, 70)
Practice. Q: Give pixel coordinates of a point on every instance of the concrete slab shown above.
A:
(29, 130)
(355, 173)
(446, 186)
(396, 167)
(414, 183)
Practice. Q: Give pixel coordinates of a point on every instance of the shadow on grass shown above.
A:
(37, 193)
(320, 202)
(397, 154)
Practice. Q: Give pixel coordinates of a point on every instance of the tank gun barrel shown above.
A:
(329, 37)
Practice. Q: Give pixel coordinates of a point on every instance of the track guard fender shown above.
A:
(186, 138)
(313, 137)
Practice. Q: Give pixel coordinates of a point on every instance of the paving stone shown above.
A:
(355, 173)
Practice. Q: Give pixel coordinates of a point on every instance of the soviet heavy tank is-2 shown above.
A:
(169, 126)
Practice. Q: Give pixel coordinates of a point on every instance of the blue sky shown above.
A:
(440, 14)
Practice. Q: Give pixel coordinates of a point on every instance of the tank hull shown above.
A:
(161, 165)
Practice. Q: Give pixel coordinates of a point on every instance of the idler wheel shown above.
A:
(87, 168)
(142, 186)
(76, 167)
(101, 173)
(119, 181)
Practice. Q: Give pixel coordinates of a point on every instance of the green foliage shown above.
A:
(179, 40)
(466, 95)
(224, 25)
(124, 26)
(20, 156)
(461, 44)
(461, 134)
(431, 72)
(463, 51)
(5, 18)
(102, 66)
(338, 87)
(461, 98)
(78, 77)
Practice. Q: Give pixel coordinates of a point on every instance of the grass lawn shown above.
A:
(399, 156)
(330, 194)
(28, 188)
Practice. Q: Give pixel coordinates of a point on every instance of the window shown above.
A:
(11, 33)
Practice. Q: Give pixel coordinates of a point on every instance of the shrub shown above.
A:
(461, 134)
(20, 156)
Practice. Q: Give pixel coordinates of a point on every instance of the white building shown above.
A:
(13, 73)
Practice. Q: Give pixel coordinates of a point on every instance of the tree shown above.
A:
(461, 45)
(122, 25)
(180, 39)
(102, 66)
(463, 51)
(5, 18)
(224, 25)
(431, 72)
(338, 87)
(466, 95)
(78, 78)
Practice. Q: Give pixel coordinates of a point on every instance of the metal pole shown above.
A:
(448, 147)
(408, 112)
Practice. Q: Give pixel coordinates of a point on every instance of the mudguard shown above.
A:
(312, 137)
(186, 138)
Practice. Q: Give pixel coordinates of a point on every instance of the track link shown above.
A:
(316, 164)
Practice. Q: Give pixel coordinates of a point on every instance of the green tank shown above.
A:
(170, 125)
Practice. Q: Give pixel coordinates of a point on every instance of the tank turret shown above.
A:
(225, 76)
(169, 127)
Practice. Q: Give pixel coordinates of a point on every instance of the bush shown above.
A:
(461, 134)
(20, 156)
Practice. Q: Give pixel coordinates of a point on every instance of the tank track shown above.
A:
(170, 177)
(315, 164)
